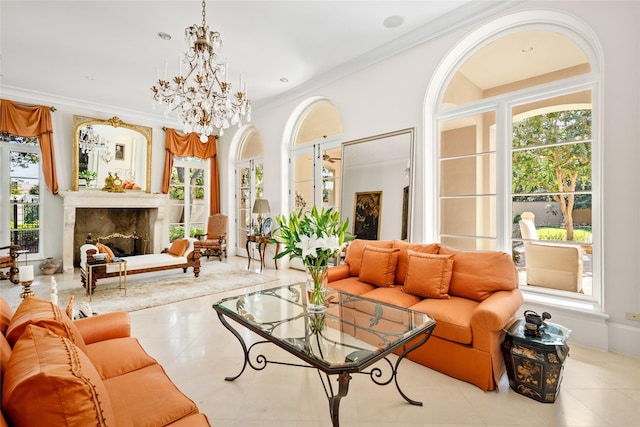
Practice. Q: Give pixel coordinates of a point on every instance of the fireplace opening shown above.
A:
(127, 231)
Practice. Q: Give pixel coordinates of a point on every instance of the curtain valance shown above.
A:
(190, 146)
(32, 121)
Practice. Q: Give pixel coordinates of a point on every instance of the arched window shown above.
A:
(315, 158)
(515, 109)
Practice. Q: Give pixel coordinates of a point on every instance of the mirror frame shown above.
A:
(411, 133)
(79, 121)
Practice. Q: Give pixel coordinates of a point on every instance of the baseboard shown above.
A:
(624, 339)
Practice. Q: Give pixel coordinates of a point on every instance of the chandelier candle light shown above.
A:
(315, 237)
(204, 99)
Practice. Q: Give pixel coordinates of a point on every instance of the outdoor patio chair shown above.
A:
(551, 265)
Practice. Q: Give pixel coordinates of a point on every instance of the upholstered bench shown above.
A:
(183, 253)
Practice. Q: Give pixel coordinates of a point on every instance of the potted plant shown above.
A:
(315, 237)
(88, 176)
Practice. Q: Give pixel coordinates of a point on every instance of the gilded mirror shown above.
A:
(377, 183)
(103, 147)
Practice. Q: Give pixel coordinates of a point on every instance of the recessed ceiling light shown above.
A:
(284, 80)
(164, 36)
(527, 49)
(90, 78)
(393, 21)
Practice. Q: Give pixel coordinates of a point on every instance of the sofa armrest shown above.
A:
(104, 327)
(491, 315)
(337, 272)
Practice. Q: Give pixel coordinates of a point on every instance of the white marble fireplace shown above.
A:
(88, 199)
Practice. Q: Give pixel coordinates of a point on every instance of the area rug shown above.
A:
(159, 288)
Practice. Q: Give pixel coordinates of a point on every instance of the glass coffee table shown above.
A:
(352, 335)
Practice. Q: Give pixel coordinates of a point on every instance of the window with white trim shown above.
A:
(21, 186)
(189, 197)
(523, 147)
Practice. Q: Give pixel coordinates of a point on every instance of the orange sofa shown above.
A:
(471, 295)
(88, 372)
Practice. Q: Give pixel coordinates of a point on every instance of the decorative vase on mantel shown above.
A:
(49, 266)
(316, 287)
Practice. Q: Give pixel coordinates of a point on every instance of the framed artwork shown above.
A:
(119, 152)
(367, 210)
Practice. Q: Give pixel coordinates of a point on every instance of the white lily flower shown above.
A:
(333, 244)
(308, 246)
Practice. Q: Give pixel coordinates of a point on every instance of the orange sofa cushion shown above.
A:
(356, 248)
(5, 315)
(379, 266)
(403, 257)
(429, 275)
(35, 311)
(478, 274)
(351, 285)
(452, 316)
(158, 402)
(104, 249)
(178, 247)
(108, 356)
(51, 382)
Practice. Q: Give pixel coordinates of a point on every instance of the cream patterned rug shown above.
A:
(150, 289)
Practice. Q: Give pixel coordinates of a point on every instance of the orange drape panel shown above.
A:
(33, 121)
(190, 146)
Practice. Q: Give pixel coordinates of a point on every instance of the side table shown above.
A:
(261, 242)
(122, 273)
(535, 364)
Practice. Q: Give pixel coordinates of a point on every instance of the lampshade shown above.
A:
(261, 206)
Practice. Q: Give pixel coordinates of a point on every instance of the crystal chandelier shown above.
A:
(203, 97)
(90, 140)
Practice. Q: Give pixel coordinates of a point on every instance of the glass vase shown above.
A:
(316, 288)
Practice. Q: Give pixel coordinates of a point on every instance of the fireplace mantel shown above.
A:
(101, 199)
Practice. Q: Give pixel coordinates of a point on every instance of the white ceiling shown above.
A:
(106, 53)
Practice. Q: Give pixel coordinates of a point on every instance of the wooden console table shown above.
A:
(261, 243)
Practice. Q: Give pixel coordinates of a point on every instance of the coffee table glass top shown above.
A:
(352, 333)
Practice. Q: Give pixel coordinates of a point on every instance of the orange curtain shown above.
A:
(30, 121)
(191, 146)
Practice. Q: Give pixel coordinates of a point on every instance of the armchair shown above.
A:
(9, 261)
(215, 240)
(551, 265)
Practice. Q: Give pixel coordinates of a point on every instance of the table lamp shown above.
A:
(261, 206)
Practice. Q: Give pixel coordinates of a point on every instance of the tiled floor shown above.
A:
(599, 389)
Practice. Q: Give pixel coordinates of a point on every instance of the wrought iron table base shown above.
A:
(344, 378)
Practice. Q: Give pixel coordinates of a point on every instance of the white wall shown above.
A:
(390, 96)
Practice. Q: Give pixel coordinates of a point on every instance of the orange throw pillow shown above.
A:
(104, 249)
(45, 314)
(379, 266)
(178, 247)
(478, 274)
(50, 382)
(403, 258)
(428, 275)
(356, 249)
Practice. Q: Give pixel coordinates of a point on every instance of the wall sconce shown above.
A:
(261, 206)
